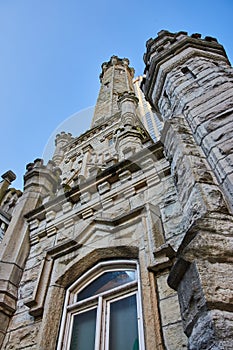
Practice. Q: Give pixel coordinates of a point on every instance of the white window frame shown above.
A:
(101, 301)
(107, 313)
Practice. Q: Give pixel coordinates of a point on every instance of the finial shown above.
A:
(9, 176)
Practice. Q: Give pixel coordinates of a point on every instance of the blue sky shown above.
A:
(51, 52)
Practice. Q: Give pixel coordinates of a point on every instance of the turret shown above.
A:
(188, 81)
(192, 76)
(116, 78)
(8, 200)
(61, 140)
(39, 181)
(182, 57)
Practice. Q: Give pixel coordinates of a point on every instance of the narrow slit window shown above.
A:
(185, 70)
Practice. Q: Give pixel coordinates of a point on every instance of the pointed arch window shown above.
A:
(103, 310)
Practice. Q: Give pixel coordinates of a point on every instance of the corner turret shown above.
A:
(169, 51)
(188, 80)
(61, 140)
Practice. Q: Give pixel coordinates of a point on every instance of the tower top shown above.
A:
(114, 61)
(171, 41)
(172, 49)
(116, 78)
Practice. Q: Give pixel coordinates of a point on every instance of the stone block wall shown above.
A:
(117, 195)
(118, 216)
(189, 81)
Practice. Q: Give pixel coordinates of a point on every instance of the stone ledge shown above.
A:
(163, 258)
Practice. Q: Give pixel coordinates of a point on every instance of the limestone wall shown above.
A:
(189, 81)
(118, 216)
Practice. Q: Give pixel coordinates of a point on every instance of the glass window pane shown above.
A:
(123, 333)
(83, 333)
(107, 281)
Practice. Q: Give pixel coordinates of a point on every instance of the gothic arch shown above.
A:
(94, 257)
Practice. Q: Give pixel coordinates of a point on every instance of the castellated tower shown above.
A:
(120, 243)
(189, 81)
(116, 78)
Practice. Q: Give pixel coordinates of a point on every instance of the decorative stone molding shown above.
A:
(164, 256)
(125, 176)
(104, 187)
(85, 197)
(37, 300)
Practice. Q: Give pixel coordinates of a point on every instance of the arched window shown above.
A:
(103, 310)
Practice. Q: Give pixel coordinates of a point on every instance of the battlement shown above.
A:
(170, 50)
(116, 61)
(116, 78)
(166, 41)
(63, 138)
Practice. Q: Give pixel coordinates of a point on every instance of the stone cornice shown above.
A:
(91, 132)
(110, 175)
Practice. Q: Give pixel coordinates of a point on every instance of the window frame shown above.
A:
(107, 314)
(101, 302)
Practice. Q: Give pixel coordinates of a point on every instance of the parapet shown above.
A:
(166, 41)
(63, 137)
(173, 49)
(115, 60)
(42, 178)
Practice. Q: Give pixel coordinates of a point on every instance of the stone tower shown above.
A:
(188, 80)
(116, 78)
(98, 231)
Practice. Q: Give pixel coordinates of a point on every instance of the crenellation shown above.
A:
(113, 199)
(202, 99)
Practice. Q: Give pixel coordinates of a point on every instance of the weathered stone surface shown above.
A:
(223, 325)
(121, 197)
(116, 78)
(164, 290)
(22, 338)
(203, 335)
(170, 310)
(190, 83)
(48, 332)
(191, 297)
(174, 337)
(4, 321)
